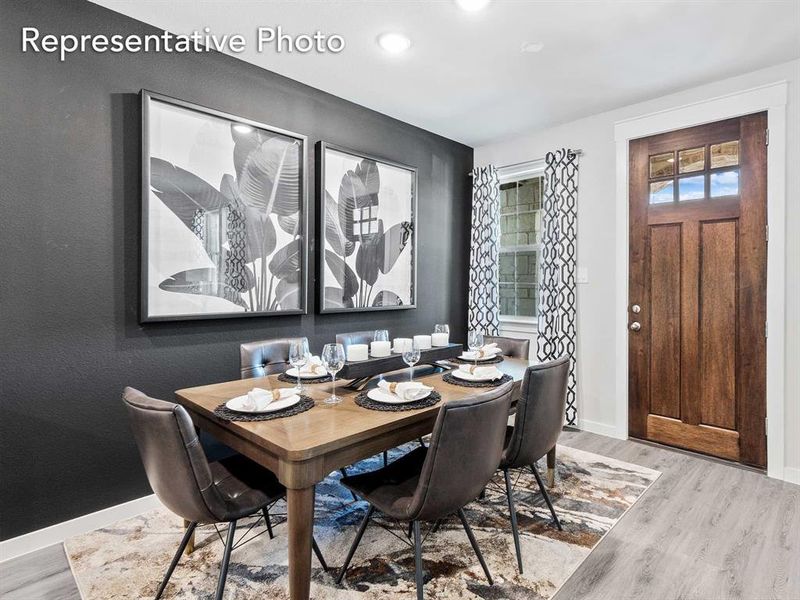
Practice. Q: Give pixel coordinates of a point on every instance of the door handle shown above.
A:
(636, 326)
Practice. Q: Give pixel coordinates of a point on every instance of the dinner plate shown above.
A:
(307, 375)
(459, 374)
(235, 404)
(379, 395)
(465, 356)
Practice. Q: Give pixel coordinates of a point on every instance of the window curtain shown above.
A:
(484, 256)
(557, 297)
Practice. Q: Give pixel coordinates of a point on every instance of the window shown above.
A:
(707, 169)
(520, 245)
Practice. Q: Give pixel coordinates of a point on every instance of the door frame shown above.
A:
(772, 99)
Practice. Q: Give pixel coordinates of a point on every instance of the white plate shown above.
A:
(465, 356)
(236, 404)
(293, 373)
(459, 374)
(379, 395)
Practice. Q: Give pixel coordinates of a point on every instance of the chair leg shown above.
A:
(474, 543)
(422, 443)
(343, 471)
(226, 559)
(546, 496)
(186, 536)
(356, 542)
(551, 467)
(385, 457)
(190, 545)
(512, 509)
(318, 553)
(265, 512)
(418, 560)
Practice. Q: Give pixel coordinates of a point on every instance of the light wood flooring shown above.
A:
(705, 530)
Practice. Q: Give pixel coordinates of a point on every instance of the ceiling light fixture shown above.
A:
(472, 5)
(242, 128)
(394, 43)
(532, 46)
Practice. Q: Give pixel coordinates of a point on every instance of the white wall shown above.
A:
(596, 236)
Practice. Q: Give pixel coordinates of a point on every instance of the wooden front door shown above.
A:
(697, 289)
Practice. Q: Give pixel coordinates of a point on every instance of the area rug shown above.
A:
(592, 492)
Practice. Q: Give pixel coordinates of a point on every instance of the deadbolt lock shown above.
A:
(636, 309)
(636, 326)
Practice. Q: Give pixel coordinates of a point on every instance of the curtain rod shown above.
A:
(577, 152)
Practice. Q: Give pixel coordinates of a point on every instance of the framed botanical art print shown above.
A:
(367, 231)
(224, 214)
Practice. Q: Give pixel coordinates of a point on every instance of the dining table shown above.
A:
(304, 448)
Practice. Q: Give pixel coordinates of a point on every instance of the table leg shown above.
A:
(551, 467)
(300, 512)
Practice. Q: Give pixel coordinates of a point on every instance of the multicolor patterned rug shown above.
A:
(592, 492)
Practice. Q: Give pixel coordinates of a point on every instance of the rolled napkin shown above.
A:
(488, 350)
(259, 398)
(490, 372)
(313, 367)
(407, 390)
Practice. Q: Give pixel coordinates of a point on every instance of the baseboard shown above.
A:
(602, 429)
(791, 475)
(36, 540)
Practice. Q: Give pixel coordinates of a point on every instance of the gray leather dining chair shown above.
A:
(538, 423)
(186, 483)
(355, 337)
(429, 484)
(511, 347)
(265, 357)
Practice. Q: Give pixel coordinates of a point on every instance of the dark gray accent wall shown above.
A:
(69, 235)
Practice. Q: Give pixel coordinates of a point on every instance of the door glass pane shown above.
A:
(662, 165)
(692, 188)
(724, 183)
(662, 191)
(725, 154)
(690, 160)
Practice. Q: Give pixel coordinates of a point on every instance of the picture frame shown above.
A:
(224, 215)
(367, 231)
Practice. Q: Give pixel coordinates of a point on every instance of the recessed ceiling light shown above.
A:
(394, 43)
(532, 46)
(242, 128)
(472, 5)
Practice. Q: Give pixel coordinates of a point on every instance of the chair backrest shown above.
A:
(354, 337)
(173, 459)
(511, 347)
(259, 359)
(464, 453)
(540, 413)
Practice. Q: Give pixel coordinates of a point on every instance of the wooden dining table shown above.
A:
(304, 448)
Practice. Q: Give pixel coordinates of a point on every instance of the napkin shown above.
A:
(481, 372)
(259, 399)
(407, 390)
(484, 351)
(313, 367)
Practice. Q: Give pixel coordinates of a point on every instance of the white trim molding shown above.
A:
(770, 98)
(36, 540)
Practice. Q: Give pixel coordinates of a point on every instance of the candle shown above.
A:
(440, 339)
(357, 352)
(400, 344)
(380, 348)
(423, 342)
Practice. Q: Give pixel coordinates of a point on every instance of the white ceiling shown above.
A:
(465, 76)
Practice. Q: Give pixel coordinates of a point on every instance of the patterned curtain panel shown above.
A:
(557, 302)
(484, 259)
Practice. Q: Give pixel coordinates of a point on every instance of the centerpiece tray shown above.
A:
(376, 366)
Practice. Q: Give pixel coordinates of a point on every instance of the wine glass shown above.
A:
(298, 357)
(411, 357)
(381, 335)
(333, 360)
(475, 342)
